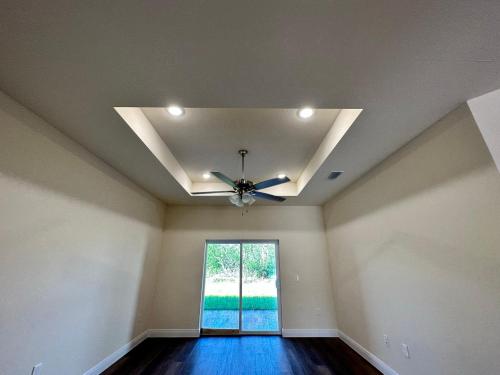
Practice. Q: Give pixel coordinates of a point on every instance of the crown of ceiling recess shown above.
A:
(191, 142)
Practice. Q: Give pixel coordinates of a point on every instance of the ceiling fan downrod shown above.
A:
(243, 152)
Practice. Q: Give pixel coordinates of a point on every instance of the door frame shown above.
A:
(239, 331)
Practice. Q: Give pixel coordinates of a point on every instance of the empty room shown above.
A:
(250, 187)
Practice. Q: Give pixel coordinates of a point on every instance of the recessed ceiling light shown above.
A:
(206, 175)
(175, 110)
(281, 176)
(305, 112)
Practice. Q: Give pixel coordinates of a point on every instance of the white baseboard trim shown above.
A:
(173, 332)
(375, 361)
(313, 332)
(115, 356)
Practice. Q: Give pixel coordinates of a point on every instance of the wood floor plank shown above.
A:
(245, 355)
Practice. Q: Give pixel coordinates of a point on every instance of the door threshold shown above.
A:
(234, 332)
(219, 332)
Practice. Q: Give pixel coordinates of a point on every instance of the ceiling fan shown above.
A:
(245, 191)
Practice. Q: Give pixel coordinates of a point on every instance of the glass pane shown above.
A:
(259, 291)
(221, 301)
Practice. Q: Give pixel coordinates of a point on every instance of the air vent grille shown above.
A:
(335, 174)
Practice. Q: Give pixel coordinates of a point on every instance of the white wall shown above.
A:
(78, 251)
(306, 303)
(415, 248)
(486, 112)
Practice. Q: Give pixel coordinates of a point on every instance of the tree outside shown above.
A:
(223, 260)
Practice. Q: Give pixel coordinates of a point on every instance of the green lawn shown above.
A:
(232, 303)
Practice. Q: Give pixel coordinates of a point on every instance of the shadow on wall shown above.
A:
(147, 288)
(414, 251)
(27, 163)
(92, 272)
(420, 173)
(433, 167)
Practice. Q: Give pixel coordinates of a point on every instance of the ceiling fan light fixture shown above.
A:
(206, 175)
(281, 176)
(175, 110)
(241, 201)
(247, 198)
(305, 113)
(235, 199)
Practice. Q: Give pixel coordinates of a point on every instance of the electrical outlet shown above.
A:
(386, 341)
(37, 369)
(405, 350)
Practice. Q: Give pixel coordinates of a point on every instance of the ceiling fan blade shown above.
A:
(258, 194)
(224, 178)
(271, 182)
(212, 192)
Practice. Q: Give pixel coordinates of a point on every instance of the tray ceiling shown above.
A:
(208, 139)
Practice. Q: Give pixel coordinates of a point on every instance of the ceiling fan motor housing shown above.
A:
(244, 185)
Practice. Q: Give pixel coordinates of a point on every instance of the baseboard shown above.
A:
(115, 356)
(174, 333)
(312, 332)
(375, 361)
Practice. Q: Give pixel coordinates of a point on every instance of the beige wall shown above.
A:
(78, 251)
(415, 248)
(306, 303)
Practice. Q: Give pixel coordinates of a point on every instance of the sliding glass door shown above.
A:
(259, 308)
(241, 288)
(221, 300)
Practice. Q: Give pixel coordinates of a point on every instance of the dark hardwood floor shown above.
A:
(245, 355)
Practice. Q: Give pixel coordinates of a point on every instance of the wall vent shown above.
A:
(333, 175)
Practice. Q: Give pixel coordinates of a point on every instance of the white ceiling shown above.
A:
(405, 62)
(208, 139)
